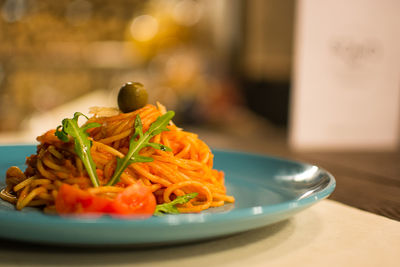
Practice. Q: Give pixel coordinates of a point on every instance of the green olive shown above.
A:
(132, 96)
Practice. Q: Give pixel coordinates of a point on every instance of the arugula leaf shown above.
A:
(82, 143)
(170, 207)
(140, 140)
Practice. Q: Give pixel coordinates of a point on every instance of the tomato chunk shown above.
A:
(72, 200)
(136, 200)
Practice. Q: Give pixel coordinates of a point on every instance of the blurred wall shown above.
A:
(201, 58)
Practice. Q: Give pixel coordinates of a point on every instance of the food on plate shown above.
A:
(130, 161)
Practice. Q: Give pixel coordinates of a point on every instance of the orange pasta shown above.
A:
(187, 168)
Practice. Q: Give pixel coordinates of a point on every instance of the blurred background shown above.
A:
(225, 66)
(216, 63)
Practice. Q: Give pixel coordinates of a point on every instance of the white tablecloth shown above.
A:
(327, 234)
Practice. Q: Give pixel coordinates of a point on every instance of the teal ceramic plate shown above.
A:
(267, 190)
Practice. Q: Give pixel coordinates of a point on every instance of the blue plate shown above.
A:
(267, 190)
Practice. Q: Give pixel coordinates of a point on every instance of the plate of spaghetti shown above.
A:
(136, 178)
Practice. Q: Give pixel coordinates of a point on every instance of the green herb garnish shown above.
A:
(170, 207)
(140, 140)
(82, 143)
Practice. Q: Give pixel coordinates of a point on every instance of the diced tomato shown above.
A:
(136, 200)
(72, 200)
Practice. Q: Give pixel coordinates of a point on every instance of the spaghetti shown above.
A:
(187, 168)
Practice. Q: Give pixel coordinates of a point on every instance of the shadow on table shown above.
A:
(254, 242)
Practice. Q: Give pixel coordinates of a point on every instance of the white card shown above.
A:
(346, 82)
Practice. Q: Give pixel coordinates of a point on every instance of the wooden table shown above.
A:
(366, 180)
